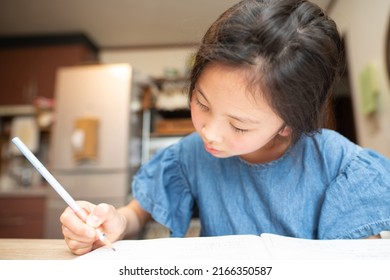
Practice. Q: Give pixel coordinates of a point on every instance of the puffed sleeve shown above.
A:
(161, 189)
(357, 202)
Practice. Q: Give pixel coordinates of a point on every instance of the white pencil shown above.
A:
(80, 212)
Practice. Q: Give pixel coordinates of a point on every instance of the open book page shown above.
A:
(231, 247)
(304, 249)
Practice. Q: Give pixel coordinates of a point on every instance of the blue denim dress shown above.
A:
(323, 187)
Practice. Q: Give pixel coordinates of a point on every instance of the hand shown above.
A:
(81, 236)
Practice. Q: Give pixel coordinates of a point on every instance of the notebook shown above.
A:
(244, 247)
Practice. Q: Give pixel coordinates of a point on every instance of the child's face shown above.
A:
(229, 119)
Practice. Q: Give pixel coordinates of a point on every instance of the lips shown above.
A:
(210, 149)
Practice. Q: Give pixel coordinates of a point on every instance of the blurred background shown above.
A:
(95, 87)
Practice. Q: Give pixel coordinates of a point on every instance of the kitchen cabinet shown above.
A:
(28, 65)
(22, 216)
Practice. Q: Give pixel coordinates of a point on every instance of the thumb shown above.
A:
(98, 215)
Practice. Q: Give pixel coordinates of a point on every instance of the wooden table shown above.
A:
(34, 249)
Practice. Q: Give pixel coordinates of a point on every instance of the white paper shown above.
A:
(243, 247)
(282, 247)
(231, 247)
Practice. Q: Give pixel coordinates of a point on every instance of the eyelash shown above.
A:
(238, 130)
(204, 108)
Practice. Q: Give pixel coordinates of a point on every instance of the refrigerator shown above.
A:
(89, 141)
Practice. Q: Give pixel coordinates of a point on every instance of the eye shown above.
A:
(238, 130)
(203, 107)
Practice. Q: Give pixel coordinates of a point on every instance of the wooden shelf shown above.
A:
(174, 127)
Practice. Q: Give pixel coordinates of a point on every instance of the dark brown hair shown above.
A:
(292, 49)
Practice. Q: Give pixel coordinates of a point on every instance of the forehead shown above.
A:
(232, 82)
(230, 88)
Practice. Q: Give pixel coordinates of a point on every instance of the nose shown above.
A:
(212, 133)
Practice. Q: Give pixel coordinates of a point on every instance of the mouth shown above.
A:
(211, 150)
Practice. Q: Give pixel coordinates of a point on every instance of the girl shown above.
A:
(259, 160)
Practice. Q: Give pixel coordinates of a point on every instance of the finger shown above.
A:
(77, 247)
(74, 228)
(89, 235)
(102, 213)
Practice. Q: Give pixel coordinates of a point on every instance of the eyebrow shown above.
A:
(240, 119)
(244, 120)
(201, 93)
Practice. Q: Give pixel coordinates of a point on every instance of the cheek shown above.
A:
(244, 144)
(238, 144)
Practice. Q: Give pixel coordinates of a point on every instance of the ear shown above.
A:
(285, 131)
